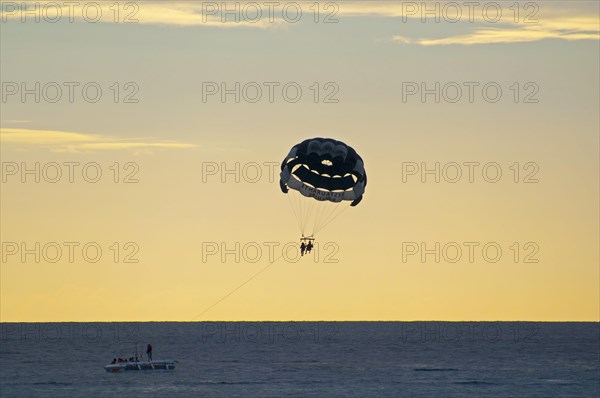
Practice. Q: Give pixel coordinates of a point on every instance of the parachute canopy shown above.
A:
(324, 169)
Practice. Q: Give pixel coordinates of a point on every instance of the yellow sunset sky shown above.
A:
(170, 152)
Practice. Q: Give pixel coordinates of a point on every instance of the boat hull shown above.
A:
(151, 365)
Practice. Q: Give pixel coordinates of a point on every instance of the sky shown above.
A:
(141, 144)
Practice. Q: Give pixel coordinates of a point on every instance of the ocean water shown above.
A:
(304, 359)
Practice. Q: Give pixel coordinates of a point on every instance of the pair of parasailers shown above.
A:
(306, 247)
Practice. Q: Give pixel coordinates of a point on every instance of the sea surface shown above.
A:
(304, 359)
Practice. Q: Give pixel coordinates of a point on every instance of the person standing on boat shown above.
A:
(149, 352)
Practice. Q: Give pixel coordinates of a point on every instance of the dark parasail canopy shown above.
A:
(324, 169)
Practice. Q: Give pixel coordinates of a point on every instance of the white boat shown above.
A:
(164, 364)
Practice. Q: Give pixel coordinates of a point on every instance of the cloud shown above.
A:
(15, 121)
(43, 137)
(236, 14)
(547, 20)
(204, 14)
(564, 30)
(136, 145)
(557, 20)
(66, 141)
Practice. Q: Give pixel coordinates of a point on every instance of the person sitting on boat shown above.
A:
(149, 352)
(114, 361)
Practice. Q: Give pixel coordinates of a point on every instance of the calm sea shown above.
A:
(304, 359)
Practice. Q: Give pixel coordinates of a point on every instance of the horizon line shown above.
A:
(314, 321)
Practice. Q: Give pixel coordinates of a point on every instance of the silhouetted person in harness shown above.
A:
(302, 248)
(309, 246)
